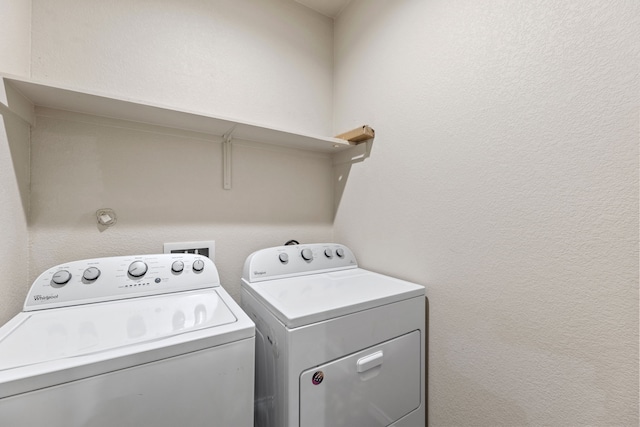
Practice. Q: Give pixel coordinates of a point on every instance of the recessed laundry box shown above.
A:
(149, 340)
(336, 345)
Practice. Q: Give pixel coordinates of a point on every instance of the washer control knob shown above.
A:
(284, 258)
(340, 252)
(306, 254)
(328, 253)
(91, 274)
(61, 277)
(138, 269)
(177, 266)
(198, 265)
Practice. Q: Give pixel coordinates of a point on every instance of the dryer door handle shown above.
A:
(369, 362)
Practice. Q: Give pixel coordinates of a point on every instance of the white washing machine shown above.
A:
(336, 345)
(150, 340)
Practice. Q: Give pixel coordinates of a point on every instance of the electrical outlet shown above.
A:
(205, 248)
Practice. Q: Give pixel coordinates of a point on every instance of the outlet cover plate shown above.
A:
(204, 247)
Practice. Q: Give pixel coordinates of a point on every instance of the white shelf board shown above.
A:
(46, 95)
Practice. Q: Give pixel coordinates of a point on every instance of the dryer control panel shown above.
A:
(288, 261)
(115, 278)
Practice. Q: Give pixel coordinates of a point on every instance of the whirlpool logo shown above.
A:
(44, 298)
(259, 273)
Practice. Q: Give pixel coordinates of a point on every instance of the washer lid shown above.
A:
(299, 301)
(70, 332)
(39, 349)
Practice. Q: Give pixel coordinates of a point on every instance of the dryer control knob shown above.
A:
(177, 266)
(328, 253)
(306, 254)
(137, 269)
(198, 265)
(284, 258)
(340, 252)
(61, 277)
(91, 274)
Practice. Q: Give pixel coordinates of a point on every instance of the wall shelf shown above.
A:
(56, 97)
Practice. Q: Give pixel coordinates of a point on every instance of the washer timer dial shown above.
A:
(177, 266)
(138, 269)
(306, 254)
(198, 265)
(61, 277)
(91, 274)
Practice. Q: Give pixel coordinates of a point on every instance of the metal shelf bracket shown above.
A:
(226, 159)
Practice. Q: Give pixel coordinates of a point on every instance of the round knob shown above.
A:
(328, 253)
(307, 255)
(340, 252)
(91, 274)
(177, 266)
(137, 269)
(284, 258)
(198, 265)
(61, 277)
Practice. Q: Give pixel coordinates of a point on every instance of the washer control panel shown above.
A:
(113, 278)
(287, 261)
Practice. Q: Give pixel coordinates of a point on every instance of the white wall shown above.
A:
(14, 209)
(15, 37)
(15, 29)
(503, 177)
(167, 188)
(265, 62)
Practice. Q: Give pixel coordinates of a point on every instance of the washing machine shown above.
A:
(336, 345)
(150, 340)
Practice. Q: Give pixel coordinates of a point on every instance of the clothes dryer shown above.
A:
(336, 345)
(150, 340)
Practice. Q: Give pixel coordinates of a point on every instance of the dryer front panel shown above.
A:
(373, 387)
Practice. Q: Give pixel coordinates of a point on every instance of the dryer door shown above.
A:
(373, 387)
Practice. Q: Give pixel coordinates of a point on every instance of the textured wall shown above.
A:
(15, 37)
(167, 188)
(503, 177)
(14, 207)
(265, 62)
